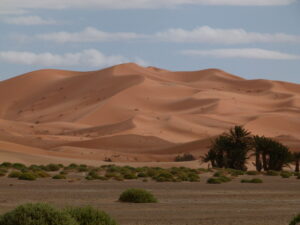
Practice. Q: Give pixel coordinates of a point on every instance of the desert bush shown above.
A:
(90, 216)
(295, 221)
(252, 172)
(6, 164)
(286, 174)
(52, 167)
(272, 173)
(214, 180)
(225, 179)
(253, 181)
(3, 172)
(37, 214)
(27, 176)
(184, 157)
(59, 177)
(235, 173)
(14, 174)
(41, 174)
(137, 196)
(19, 166)
(164, 176)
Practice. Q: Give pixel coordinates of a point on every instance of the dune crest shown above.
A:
(134, 113)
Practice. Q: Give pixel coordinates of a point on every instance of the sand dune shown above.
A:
(133, 113)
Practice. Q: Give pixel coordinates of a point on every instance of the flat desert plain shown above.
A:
(273, 202)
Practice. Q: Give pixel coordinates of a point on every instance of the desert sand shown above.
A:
(130, 113)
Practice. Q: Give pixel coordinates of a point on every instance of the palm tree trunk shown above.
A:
(258, 164)
(297, 165)
(264, 159)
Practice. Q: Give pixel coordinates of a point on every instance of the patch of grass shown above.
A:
(214, 180)
(37, 214)
(252, 172)
(272, 173)
(41, 174)
(19, 166)
(52, 167)
(184, 157)
(27, 176)
(14, 174)
(59, 177)
(90, 216)
(286, 174)
(295, 221)
(137, 196)
(253, 181)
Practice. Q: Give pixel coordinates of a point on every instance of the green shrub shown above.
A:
(3, 172)
(6, 164)
(14, 174)
(295, 221)
(235, 173)
(90, 216)
(184, 157)
(214, 180)
(137, 196)
(41, 174)
(36, 214)
(27, 176)
(252, 172)
(286, 174)
(59, 177)
(272, 173)
(52, 167)
(19, 166)
(253, 181)
(164, 176)
(224, 179)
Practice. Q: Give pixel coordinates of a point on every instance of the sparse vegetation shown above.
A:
(185, 157)
(295, 221)
(253, 181)
(137, 196)
(37, 214)
(90, 216)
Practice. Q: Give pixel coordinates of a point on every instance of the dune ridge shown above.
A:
(133, 113)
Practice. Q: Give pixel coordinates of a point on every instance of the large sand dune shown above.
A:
(133, 113)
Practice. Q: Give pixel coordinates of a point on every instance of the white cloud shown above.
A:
(206, 34)
(29, 20)
(89, 34)
(89, 57)
(249, 53)
(131, 4)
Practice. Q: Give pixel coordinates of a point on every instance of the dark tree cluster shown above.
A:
(234, 148)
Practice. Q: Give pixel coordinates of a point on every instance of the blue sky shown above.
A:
(250, 38)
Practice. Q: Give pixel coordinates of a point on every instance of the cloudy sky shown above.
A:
(250, 38)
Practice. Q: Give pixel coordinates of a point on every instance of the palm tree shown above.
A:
(296, 159)
(230, 150)
(270, 154)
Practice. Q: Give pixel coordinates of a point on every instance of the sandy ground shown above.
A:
(272, 203)
(130, 113)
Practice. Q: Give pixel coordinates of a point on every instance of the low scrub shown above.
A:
(184, 157)
(90, 216)
(295, 221)
(272, 173)
(286, 174)
(59, 177)
(37, 214)
(218, 180)
(252, 172)
(253, 181)
(137, 196)
(27, 176)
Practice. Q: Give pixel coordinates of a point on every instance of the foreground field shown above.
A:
(273, 202)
